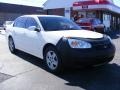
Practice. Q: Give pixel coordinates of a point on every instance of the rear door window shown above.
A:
(20, 22)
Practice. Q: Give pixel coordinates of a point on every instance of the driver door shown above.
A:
(32, 37)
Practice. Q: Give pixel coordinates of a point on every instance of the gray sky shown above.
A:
(117, 2)
(38, 3)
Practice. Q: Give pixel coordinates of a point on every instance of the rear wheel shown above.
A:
(52, 59)
(11, 45)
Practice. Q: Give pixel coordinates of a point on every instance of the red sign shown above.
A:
(91, 2)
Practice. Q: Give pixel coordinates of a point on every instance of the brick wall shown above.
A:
(7, 17)
(59, 11)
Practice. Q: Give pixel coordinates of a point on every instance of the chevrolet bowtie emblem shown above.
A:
(105, 46)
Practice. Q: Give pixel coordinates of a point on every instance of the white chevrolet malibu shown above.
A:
(59, 42)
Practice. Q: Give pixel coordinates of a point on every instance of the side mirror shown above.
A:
(34, 28)
(37, 29)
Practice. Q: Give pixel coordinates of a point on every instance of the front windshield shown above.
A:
(57, 24)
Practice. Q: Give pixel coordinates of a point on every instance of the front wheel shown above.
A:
(52, 59)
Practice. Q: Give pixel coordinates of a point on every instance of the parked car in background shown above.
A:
(59, 42)
(93, 24)
(7, 23)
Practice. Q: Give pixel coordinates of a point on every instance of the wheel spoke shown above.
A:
(53, 55)
(55, 62)
(49, 54)
(53, 66)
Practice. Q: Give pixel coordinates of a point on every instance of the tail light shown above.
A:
(87, 26)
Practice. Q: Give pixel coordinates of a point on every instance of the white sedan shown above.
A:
(59, 41)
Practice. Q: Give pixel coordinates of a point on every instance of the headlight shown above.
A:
(79, 44)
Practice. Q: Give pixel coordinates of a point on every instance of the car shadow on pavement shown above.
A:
(100, 78)
(31, 59)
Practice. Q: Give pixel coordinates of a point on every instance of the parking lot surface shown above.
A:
(26, 72)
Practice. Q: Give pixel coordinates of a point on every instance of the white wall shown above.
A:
(67, 13)
(52, 4)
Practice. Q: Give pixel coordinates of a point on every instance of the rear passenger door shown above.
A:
(19, 32)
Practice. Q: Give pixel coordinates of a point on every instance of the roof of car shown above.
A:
(40, 15)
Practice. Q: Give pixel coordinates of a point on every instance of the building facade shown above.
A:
(8, 12)
(105, 10)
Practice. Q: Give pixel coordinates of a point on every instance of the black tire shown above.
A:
(48, 60)
(11, 45)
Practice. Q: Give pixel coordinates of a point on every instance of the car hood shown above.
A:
(75, 33)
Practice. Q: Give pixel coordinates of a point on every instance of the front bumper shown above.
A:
(100, 53)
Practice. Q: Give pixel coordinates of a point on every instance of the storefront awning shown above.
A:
(96, 5)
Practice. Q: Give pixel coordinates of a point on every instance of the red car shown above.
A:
(93, 24)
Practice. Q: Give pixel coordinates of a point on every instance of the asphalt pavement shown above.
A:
(26, 72)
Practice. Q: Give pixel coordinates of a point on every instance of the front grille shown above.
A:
(102, 46)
